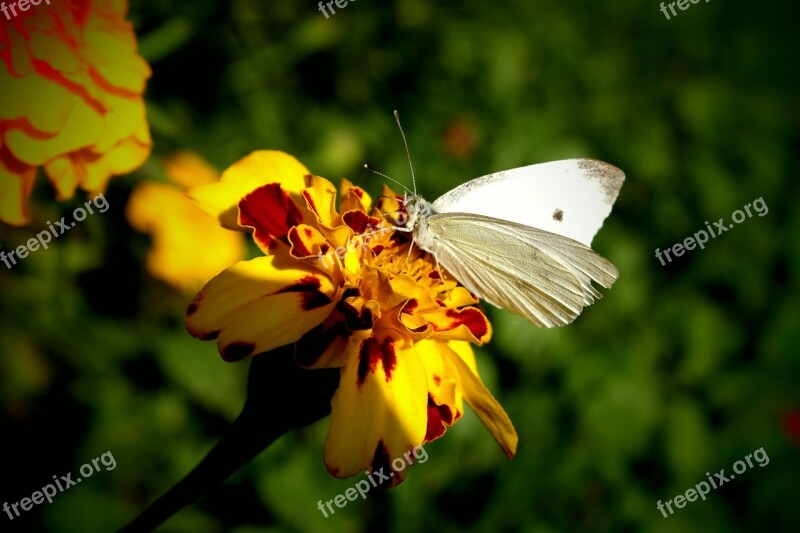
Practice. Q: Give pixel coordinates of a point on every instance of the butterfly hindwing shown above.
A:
(543, 276)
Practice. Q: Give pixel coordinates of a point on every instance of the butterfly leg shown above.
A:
(439, 269)
(411, 247)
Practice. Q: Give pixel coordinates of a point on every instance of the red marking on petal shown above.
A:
(354, 318)
(312, 297)
(350, 292)
(358, 192)
(368, 357)
(469, 316)
(306, 283)
(301, 249)
(437, 380)
(270, 211)
(192, 309)
(439, 417)
(356, 221)
(298, 246)
(44, 68)
(434, 274)
(410, 306)
(236, 351)
(313, 344)
(210, 336)
(310, 202)
(380, 460)
(372, 350)
(377, 249)
(314, 300)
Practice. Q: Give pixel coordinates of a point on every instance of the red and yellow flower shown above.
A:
(346, 289)
(72, 85)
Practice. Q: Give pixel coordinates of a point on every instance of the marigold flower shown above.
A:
(72, 86)
(343, 287)
(189, 248)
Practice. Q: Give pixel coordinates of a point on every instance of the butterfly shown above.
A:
(520, 239)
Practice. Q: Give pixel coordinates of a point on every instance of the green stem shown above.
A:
(280, 396)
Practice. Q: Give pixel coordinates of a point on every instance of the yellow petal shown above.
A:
(485, 406)
(189, 247)
(83, 128)
(379, 411)
(92, 171)
(445, 401)
(126, 118)
(46, 43)
(353, 198)
(16, 184)
(42, 102)
(113, 55)
(124, 157)
(467, 324)
(221, 199)
(320, 196)
(189, 169)
(258, 305)
(306, 241)
(403, 288)
(389, 205)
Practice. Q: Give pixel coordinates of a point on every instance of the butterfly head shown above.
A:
(417, 209)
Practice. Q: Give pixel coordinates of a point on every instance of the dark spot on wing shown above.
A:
(558, 215)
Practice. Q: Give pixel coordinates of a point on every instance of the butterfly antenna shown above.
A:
(385, 176)
(408, 152)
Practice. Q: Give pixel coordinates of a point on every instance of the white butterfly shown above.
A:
(519, 239)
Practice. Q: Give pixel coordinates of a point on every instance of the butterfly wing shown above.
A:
(570, 198)
(545, 277)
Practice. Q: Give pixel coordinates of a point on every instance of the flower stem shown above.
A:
(265, 417)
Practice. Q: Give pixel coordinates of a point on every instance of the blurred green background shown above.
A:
(677, 371)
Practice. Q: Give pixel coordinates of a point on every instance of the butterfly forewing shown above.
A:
(543, 276)
(570, 198)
